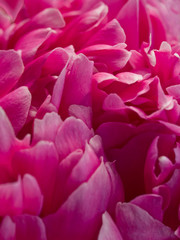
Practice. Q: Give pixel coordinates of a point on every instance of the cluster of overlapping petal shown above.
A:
(89, 120)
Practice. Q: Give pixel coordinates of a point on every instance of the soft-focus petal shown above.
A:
(108, 231)
(12, 7)
(32, 197)
(8, 229)
(11, 198)
(7, 134)
(134, 222)
(151, 203)
(29, 227)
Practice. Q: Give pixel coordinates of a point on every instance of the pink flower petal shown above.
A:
(134, 222)
(31, 42)
(76, 213)
(32, 197)
(11, 198)
(81, 28)
(11, 70)
(151, 203)
(117, 189)
(72, 135)
(49, 17)
(29, 227)
(107, 58)
(7, 134)
(83, 170)
(7, 229)
(111, 34)
(63, 172)
(77, 87)
(82, 112)
(40, 161)
(12, 7)
(129, 20)
(16, 105)
(109, 230)
(157, 166)
(44, 130)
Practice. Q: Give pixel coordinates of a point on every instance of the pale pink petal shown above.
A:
(49, 17)
(129, 77)
(174, 91)
(117, 189)
(137, 60)
(7, 134)
(109, 230)
(5, 20)
(59, 87)
(32, 197)
(12, 7)
(7, 229)
(151, 203)
(83, 170)
(113, 102)
(76, 212)
(77, 87)
(44, 129)
(11, 198)
(16, 104)
(104, 79)
(82, 112)
(72, 135)
(160, 10)
(96, 143)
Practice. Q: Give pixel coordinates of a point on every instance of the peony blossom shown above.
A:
(89, 120)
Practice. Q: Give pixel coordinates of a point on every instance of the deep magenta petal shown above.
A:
(11, 70)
